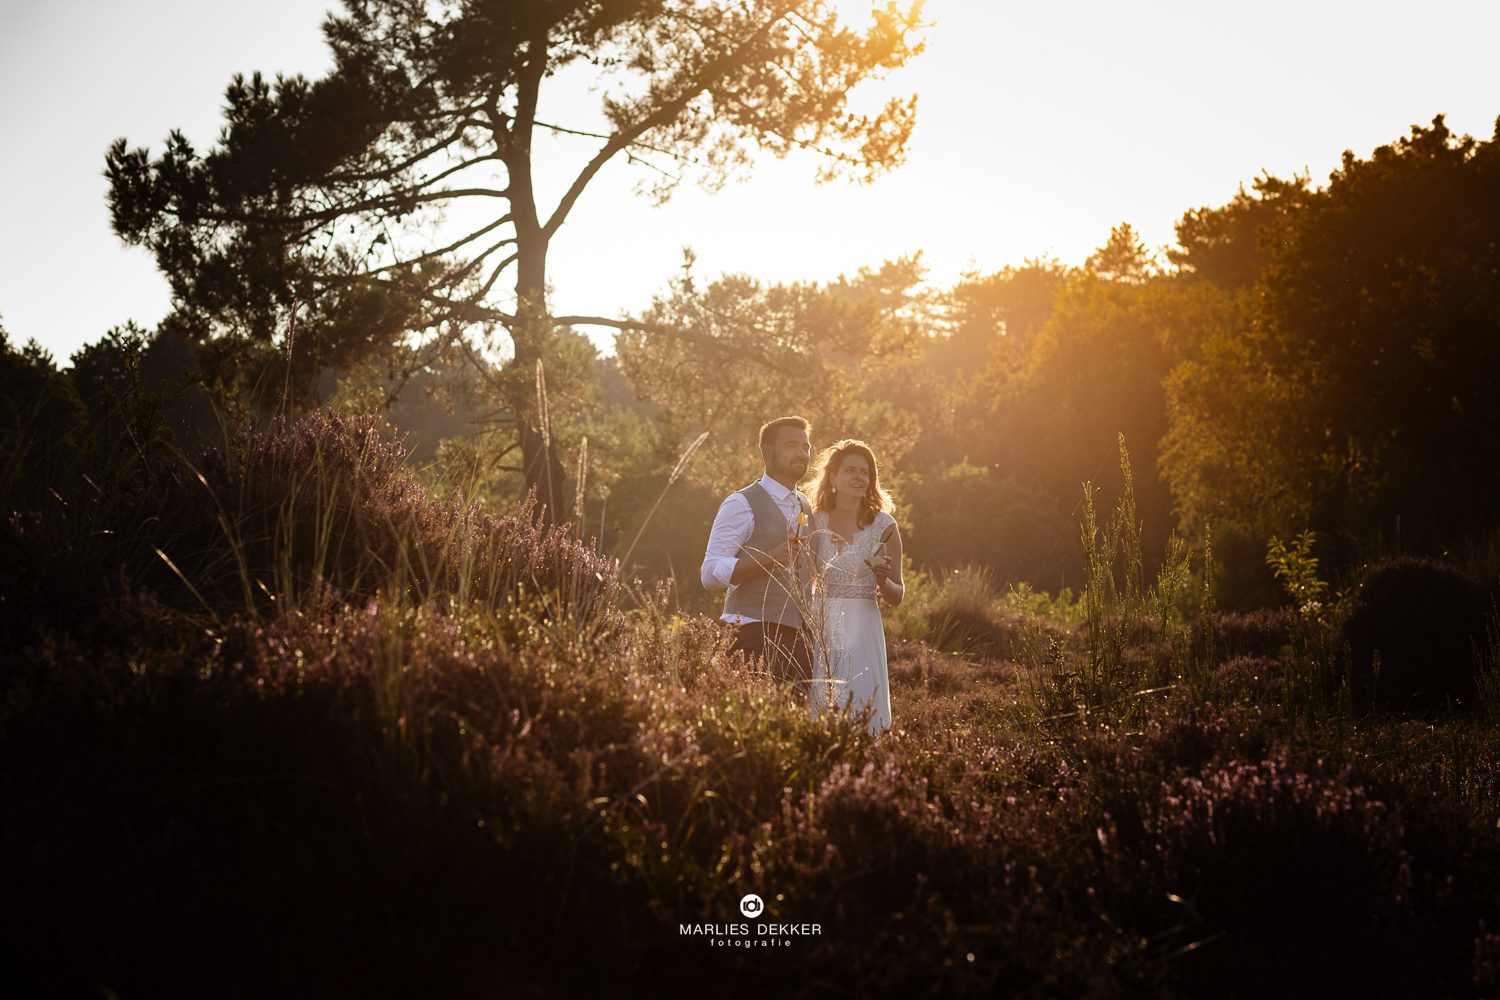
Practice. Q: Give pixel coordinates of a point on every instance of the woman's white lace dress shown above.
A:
(849, 669)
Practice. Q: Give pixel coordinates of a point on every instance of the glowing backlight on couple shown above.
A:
(805, 570)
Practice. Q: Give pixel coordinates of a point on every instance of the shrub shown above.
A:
(1253, 679)
(379, 798)
(918, 665)
(323, 507)
(967, 617)
(1256, 633)
(1424, 619)
(390, 799)
(1064, 609)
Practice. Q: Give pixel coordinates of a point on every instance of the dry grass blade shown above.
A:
(541, 406)
(235, 545)
(686, 457)
(544, 423)
(189, 584)
(582, 480)
(676, 472)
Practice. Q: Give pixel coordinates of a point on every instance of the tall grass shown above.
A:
(960, 619)
(1135, 646)
(677, 470)
(305, 514)
(1487, 667)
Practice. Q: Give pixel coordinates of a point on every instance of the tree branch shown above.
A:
(600, 135)
(316, 219)
(412, 159)
(686, 336)
(465, 165)
(447, 249)
(499, 270)
(469, 308)
(663, 115)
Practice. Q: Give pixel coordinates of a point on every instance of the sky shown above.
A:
(1040, 126)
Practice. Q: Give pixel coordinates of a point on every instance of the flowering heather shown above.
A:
(319, 510)
(1256, 633)
(381, 783)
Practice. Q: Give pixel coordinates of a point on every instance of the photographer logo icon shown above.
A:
(751, 905)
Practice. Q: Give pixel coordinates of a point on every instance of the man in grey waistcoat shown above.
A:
(755, 551)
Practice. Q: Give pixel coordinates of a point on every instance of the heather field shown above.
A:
(279, 721)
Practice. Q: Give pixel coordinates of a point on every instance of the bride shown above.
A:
(857, 552)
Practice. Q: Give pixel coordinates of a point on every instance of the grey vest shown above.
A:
(768, 596)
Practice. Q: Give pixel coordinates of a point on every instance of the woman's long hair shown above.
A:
(821, 490)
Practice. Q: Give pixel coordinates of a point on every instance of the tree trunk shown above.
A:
(532, 332)
(531, 335)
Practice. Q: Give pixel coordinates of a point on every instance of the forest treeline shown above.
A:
(1305, 357)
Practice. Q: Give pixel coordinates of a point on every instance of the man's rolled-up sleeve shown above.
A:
(732, 527)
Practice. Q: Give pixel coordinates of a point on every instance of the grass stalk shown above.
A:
(677, 471)
(581, 479)
(1487, 666)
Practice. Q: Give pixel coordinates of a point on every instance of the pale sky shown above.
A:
(1040, 126)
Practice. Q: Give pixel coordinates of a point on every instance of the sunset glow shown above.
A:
(1039, 127)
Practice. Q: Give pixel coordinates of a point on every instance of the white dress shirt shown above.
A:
(733, 526)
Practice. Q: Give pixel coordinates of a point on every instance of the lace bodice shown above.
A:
(842, 572)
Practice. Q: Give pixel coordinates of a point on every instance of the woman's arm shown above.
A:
(888, 576)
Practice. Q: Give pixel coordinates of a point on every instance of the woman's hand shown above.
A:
(887, 571)
(882, 571)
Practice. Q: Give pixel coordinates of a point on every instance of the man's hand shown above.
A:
(786, 553)
(754, 564)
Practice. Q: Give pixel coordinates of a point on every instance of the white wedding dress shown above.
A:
(849, 670)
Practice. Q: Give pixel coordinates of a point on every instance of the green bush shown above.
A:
(42, 423)
(1423, 621)
(967, 515)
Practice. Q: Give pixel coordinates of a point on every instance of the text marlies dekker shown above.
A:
(743, 930)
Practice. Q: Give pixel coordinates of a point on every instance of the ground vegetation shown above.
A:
(438, 750)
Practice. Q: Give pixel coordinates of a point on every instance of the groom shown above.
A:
(750, 553)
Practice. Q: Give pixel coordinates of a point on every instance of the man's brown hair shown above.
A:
(770, 428)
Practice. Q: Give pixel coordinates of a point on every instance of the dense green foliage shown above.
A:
(41, 416)
(1360, 387)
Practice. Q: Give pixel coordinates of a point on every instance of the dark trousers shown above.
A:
(785, 651)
